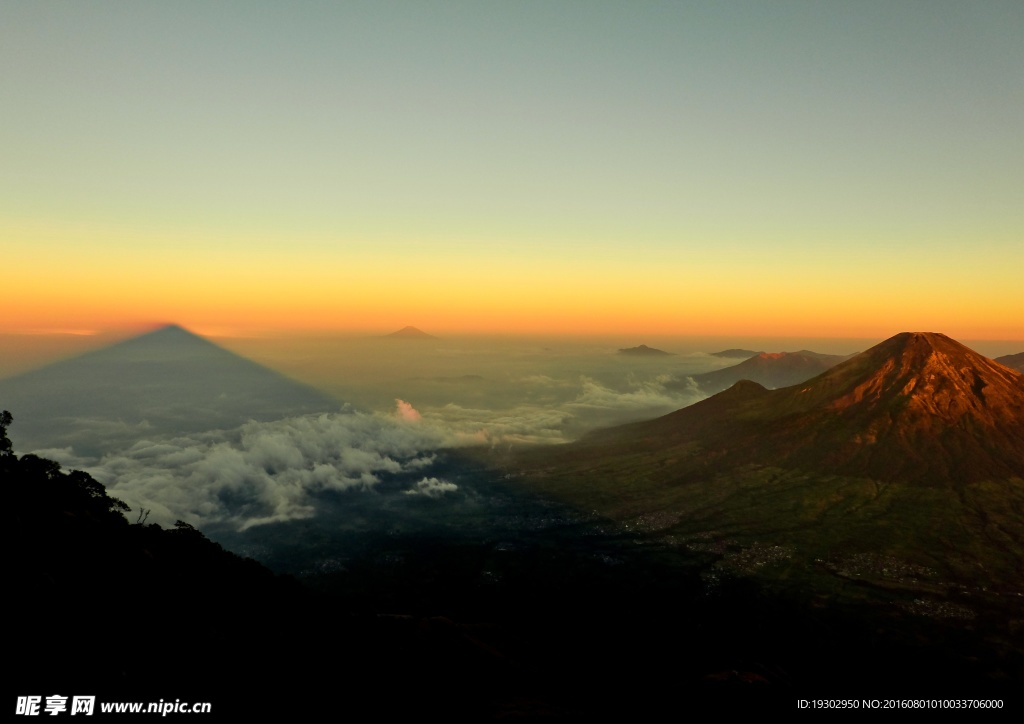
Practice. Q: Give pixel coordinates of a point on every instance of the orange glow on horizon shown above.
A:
(234, 288)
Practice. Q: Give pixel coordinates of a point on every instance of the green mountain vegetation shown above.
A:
(893, 482)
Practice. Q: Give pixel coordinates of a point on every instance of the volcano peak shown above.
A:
(927, 374)
(918, 407)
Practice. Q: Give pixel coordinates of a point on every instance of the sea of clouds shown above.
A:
(264, 472)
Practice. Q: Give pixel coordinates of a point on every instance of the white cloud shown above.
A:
(265, 471)
(521, 424)
(432, 488)
(405, 411)
(641, 395)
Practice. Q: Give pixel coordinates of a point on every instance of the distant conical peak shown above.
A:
(411, 332)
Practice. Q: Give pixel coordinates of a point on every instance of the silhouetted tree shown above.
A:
(7, 458)
(42, 489)
(5, 444)
(37, 468)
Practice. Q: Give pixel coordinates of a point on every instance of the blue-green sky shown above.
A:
(847, 168)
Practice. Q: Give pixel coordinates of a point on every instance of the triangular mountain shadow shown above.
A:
(164, 382)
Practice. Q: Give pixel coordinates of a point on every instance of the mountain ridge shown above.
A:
(1013, 361)
(771, 369)
(907, 457)
(916, 407)
(644, 351)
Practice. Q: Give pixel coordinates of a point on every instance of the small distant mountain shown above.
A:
(644, 351)
(1013, 361)
(738, 353)
(166, 381)
(770, 369)
(410, 333)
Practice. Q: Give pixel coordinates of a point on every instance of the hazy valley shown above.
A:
(758, 532)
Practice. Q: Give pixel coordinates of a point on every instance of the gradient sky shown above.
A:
(848, 169)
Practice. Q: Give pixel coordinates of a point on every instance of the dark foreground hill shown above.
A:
(129, 612)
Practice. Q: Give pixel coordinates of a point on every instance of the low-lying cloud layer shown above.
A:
(642, 394)
(263, 472)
